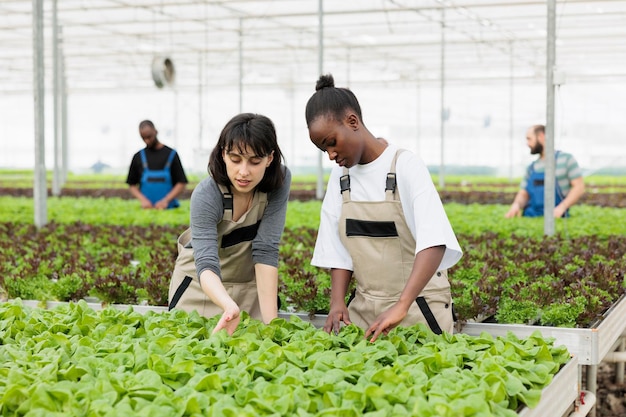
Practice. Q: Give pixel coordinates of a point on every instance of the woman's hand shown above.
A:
(338, 311)
(212, 286)
(336, 315)
(386, 321)
(229, 321)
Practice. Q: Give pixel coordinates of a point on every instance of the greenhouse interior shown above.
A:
(539, 303)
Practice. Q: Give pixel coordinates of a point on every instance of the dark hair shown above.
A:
(257, 133)
(330, 101)
(145, 123)
(539, 129)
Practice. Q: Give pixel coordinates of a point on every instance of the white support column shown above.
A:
(56, 104)
(40, 190)
(319, 190)
(549, 178)
(511, 113)
(442, 182)
(240, 65)
(64, 128)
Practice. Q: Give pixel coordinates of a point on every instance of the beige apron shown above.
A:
(382, 248)
(236, 265)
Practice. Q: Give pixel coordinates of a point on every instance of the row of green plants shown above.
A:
(548, 281)
(510, 271)
(471, 219)
(22, 178)
(72, 360)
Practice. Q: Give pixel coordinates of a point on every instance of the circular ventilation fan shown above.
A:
(163, 71)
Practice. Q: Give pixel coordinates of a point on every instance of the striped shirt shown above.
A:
(566, 168)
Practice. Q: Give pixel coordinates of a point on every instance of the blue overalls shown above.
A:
(535, 189)
(156, 183)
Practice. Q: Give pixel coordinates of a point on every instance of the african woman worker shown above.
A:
(382, 222)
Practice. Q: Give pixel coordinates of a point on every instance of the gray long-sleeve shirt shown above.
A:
(207, 211)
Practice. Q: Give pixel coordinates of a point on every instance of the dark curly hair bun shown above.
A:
(325, 81)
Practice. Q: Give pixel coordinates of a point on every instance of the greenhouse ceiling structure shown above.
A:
(116, 44)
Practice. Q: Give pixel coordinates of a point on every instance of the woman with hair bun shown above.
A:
(382, 223)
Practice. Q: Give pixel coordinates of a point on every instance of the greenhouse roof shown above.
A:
(112, 44)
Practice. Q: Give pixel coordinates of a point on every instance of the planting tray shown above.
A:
(558, 398)
(316, 320)
(590, 345)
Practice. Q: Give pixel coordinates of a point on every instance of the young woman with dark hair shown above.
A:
(228, 258)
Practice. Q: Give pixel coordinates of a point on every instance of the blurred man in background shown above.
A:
(569, 185)
(156, 176)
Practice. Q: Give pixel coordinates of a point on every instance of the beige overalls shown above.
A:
(382, 248)
(236, 265)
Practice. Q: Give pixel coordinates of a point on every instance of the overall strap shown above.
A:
(391, 183)
(170, 159)
(144, 160)
(227, 202)
(344, 184)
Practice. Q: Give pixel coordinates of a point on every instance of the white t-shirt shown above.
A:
(421, 204)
